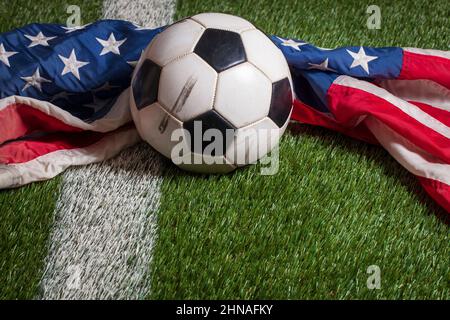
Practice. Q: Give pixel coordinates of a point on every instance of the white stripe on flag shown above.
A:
(408, 108)
(105, 225)
(424, 91)
(414, 159)
(53, 163)
(429, 52)
(115, 118)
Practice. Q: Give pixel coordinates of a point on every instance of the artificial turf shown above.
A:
(336, 205)
(26, 214)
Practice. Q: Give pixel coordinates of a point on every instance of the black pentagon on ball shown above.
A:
(209, 120)
(145, 84)
(281, 102)
(221, 49)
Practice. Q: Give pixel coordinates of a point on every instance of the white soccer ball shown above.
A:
(212, 93)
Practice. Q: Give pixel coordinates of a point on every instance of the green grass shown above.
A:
(336, 206)
(26, 214)
(14, 14)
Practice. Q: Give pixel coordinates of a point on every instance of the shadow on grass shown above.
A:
(373, 152)
(381, 157)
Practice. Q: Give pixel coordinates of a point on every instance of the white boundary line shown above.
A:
(105, 217)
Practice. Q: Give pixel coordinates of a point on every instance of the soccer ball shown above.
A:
(212, 93)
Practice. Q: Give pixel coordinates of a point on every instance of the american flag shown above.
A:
(64, 99)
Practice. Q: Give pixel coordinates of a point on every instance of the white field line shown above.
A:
(147, 13)
(105, 217)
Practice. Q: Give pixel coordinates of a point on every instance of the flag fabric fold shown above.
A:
(398, 98)
(64, 99)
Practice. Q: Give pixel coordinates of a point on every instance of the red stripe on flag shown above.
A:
(20, 119)
(439, 114)
(306, 114)
(439, 191)
(349, 104)
(422, 66)
(26, 150)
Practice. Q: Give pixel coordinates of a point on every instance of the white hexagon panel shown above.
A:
(223, 21)
(187, 86)
(177, 40)
(243, 95)
(155, 125)
(265, 55)
(253, 142)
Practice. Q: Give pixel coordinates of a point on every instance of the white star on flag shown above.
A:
(72, 65)
(39, 40)
(4, 55)
(111, 45)
(292, 43)
(361, 59)
(75, 28)
(322, 66)
(34, 80)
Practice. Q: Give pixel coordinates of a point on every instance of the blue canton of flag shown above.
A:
(317, 68)
(80, 69)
